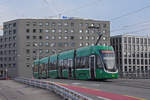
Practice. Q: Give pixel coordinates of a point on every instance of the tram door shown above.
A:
(60, 69)
(92, 66)
(70, 69)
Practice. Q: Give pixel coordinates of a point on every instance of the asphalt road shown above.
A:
(11, 90)
(139, 89)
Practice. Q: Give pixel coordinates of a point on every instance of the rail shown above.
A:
(66, 93)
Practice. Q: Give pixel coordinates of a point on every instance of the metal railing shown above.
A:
(66, 93)
(135, 75)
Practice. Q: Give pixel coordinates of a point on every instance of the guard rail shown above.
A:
(66, 93)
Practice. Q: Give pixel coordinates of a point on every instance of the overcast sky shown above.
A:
(126, 16)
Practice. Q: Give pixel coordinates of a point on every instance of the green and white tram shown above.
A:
(91, 62)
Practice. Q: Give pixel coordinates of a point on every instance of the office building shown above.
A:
(25, 40)
(132, 54)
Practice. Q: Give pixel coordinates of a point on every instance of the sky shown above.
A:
(125, 16)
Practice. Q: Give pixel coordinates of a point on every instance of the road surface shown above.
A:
(11, 90)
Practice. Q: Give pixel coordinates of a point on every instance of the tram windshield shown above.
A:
(109, 59)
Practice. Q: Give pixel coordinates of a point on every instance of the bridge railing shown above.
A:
(66, 93)
(135, 75)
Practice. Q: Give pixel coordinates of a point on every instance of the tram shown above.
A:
(90, 62)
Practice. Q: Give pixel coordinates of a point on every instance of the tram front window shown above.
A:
(109, 60)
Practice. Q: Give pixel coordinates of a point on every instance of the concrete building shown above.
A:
(132, 54)
(25, 40)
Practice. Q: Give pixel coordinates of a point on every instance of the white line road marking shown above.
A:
(103, 98)
(76, 83)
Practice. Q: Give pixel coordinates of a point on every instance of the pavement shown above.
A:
(11, 90)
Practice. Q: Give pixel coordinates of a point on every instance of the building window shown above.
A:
(66, 30)
(34, 23)
(27, 30)
(81, 37)
(41, 44)
(27, 51)
(92, 31)
(41, 51)
(87, 37)
(66, 44)
(137, 40)
(59, 24)
(72, 37)
(72, 31)
(104, 25)
(93, 38)
(81, 24)
(60, 44)
(28, 24)
(34, 30)
(92, 24)
(53, 37)
(53, 30)
(86, 31)
(86, 44)
(34, 37)
(40, 37)
(40, 30)
(27, 37)
(81, 44)
(72, 24)
(59, 30)
(86, 24)
(46, 30)
(14, 24)
(65, 37)
(47, 51)
(40, 24)
(52, 44)
(28, 58)
(104, 31)
(59, 37)
(28, 44)
(46, 44)
(65, 24)
(47, 37)
(46, 23)
(53, 24)
(80, 31)
(27, 65)
(104, 38)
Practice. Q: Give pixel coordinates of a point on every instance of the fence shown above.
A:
(135, 75)
(66, 93)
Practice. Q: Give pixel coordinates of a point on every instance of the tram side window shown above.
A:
(82, 62)
(40, 68)
(35, 69)
(70, 63)
(65, 64)
(52, 65)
